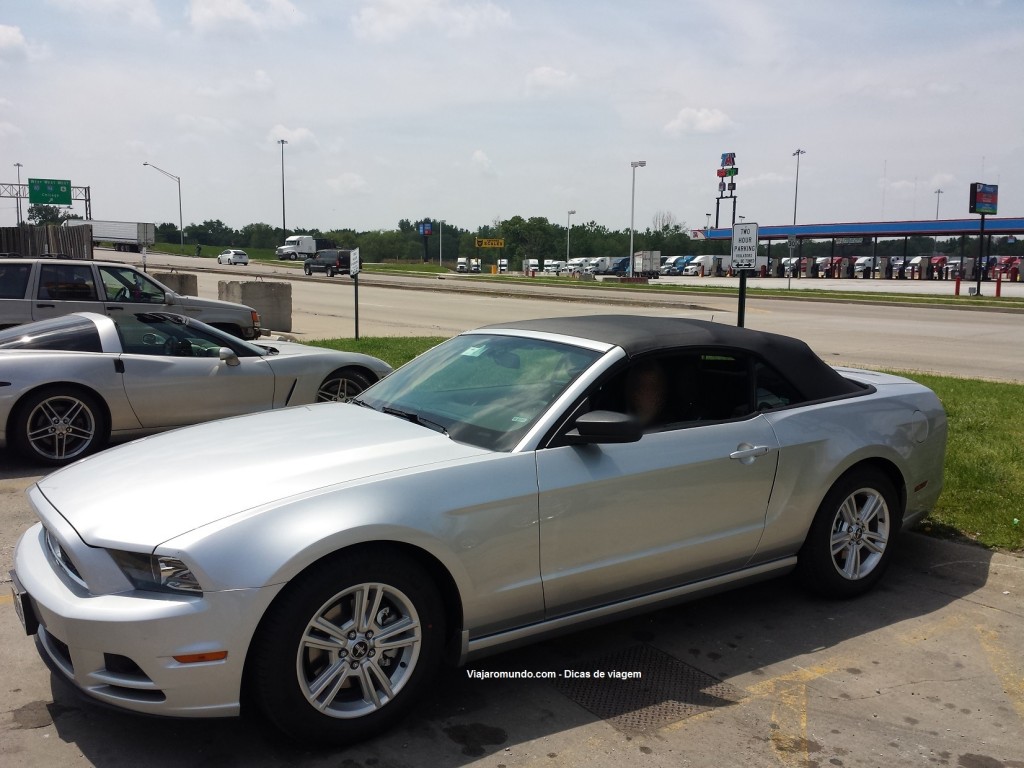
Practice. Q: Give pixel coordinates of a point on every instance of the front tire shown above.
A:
(307, 270)
(347, 648)
(342, 385)
(59, 425)
(851, 539)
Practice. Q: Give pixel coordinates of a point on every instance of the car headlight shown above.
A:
(156, 573)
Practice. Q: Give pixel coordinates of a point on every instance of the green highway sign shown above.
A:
(49, 192)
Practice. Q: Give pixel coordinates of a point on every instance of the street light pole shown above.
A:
(284, 228)
(181, 221)
(796, 188)
(937, 198)
(568, 218)
(632, 208)
(18, 197)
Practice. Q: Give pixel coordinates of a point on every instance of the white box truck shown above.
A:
(646, 264)
(131, 236)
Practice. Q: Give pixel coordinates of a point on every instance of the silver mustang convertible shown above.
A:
(71, 384)
(515, 481)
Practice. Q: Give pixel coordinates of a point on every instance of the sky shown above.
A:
(473, 111)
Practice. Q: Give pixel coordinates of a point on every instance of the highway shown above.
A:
(954, 341)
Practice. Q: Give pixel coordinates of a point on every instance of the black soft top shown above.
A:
(641, 335)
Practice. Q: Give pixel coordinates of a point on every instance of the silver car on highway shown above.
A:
(73, 383)
(515, 481)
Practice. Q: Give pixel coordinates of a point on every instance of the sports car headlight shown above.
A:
(156, 573)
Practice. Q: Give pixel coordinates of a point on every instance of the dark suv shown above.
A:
(330, 261)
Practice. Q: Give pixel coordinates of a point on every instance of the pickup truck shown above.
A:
(34, 289)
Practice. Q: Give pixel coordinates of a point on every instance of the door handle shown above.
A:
(745, 453)
(45, 306)
(121, 309)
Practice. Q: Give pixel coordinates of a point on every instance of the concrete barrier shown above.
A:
(272, 300)
(179, 282)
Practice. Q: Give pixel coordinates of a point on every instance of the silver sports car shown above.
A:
(70, 384)
(515, 481)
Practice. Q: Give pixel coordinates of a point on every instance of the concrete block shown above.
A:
(179, 282)
(272, 300)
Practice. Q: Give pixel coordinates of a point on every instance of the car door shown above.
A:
(173, 375)
(128, 291)
(687, 501)
(63, 288)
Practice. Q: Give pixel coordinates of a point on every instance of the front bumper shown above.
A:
(119, 648)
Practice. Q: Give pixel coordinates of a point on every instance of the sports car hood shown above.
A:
(149, 491)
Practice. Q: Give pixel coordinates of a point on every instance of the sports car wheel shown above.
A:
(852, 536)
(347, 647)
(342, 385)
(57, 426)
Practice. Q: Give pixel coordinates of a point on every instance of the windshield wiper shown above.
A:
(363, 403)
(415, 418)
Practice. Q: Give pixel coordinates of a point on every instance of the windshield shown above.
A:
(482, 389)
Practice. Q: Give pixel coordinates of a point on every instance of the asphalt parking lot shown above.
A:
(926, 670)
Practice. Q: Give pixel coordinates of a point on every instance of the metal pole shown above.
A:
(937, 198)
(632, 208)
(181, 220)
(568, 218)
(981, 255)
(284, 226)
(18, 196)
(796, 187)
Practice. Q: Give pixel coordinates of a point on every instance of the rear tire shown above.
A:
(307, 270)
(347, 648)
(851, 539)
(330, 271)
(58, 425)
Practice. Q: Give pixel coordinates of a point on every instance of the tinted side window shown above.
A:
(14, 280)
(66, 282)
(70, 334)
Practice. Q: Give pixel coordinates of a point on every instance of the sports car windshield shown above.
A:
(485, 390)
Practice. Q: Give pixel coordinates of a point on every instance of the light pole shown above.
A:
(440, 245)
(568, 218)
(937, 198)
(284, 228)
(18, 197)
(796, 188)
(181, 221)
(632, 208)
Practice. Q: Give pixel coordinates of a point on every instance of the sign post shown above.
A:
(353, 270)
(745, 259)
(984, 199)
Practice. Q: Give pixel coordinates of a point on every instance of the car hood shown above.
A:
(146, 492)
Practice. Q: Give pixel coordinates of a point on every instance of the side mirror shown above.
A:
(228, 356)
(604, 427)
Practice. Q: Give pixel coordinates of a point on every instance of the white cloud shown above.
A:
(9, 129)
(206, 15)
(205, 125)
(347, 183)
(14, 46)
(383, 20)
(296, 136)
(259, 82)
(547, 80)
(482, 163)
(140, 13)
(703, 120)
